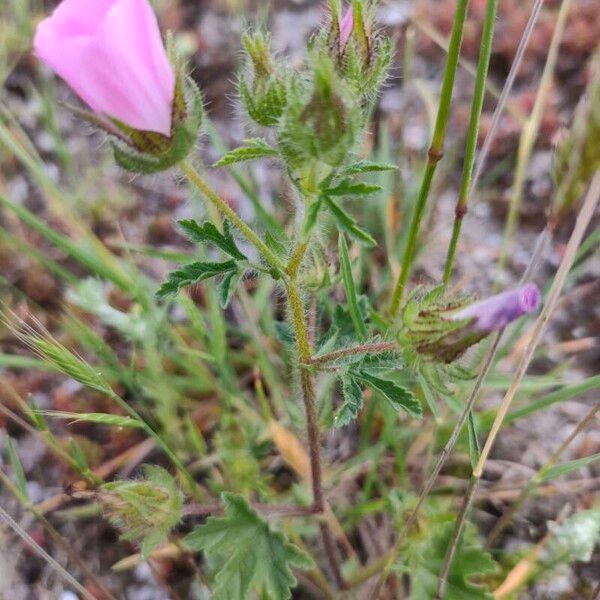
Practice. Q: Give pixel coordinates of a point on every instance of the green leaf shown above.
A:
(285, 333)
(348, 224)
(569, 467)
(350, 289)
(367, 166)
(17, 468)
(252, 149)
(347, 187)
(276, 243)
(398, 396)
(192, 273)
(97, 418)
(311, 216)
(209, 233)
(575, 538)
(470, 563)
(254, 557)
(353, 401)
(474, 448)
(228, 287)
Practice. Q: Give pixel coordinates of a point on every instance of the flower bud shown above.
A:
(443, 331)
(144, 510)
(263, 92)
(346, 26)
(362, 56)
(321, 120)
(111, 54)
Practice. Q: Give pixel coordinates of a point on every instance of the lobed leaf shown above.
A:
(193, 273)
(252, 149)
(398, 396)
(254, 557)
(207, 232)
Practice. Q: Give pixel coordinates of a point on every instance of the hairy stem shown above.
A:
(198, 181)
(434, 154)
(485, 51)
(374, 348)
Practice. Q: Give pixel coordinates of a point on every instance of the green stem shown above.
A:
(434, 154)
(485, 51)
(198, 181)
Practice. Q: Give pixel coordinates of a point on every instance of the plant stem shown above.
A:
(198, 181)
(506, 90)
(331, 552)
(485, 51)
(374, 348)
(583, 220)
(434, 154)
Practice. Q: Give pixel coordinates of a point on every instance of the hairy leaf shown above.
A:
(207, 232)
(397, 395)
(228, 287)
(347, 223)
(353, 401)
(347, 187)
(254, 557)
(252, 149)
(350, 289)
(192, 273)
(367, 166)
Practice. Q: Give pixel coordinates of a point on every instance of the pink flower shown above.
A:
(498, 311)
(346, 26)
(111, 54)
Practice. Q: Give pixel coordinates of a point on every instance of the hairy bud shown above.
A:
(361, 54)
(322, 119)
(263, 91)
(144, 510)
(443, 330)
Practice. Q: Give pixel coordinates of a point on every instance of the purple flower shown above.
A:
(442, 330)
(111, 54)
(498, 311)
(346, 26)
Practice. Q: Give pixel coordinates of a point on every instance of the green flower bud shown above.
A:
(263, 92)
(151, 152)
(144, 510)
(361, 54)
(322, 119)
(442, 330)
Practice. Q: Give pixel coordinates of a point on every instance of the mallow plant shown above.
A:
(397, 349)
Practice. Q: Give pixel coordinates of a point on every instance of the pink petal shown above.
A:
(346, 27)
(119, 67)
